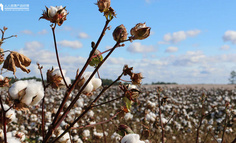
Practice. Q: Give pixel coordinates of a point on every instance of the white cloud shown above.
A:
(27, 32)
(71, 44)
(44, 31)
(83, 35)
(171, 49)
(178, 36)
(136, 47)
(230, 36)
(33, 45)
(225, 47)
(190, 58)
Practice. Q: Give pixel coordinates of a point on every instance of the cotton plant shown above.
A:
(26, 93)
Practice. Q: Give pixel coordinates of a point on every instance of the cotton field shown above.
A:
(185, 112)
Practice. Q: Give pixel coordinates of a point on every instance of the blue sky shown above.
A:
(191, 41)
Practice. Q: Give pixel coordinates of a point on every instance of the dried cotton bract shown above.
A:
(54, 78)
(28, 92)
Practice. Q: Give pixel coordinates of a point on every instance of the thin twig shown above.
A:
(43, 114)
(4, 120)
(107, 101)
(162, 127)
(104, 135)
(92, 125)
(57, 55)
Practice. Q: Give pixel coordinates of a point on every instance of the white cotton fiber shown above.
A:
(86, 133)
(65, 138)
(93, 84)
(128, 116)
(10, 114)
(58, 72)
(31, 91)
(88, 88)
(16, 87)
(131, 138)
(1, 77)
(96, 83)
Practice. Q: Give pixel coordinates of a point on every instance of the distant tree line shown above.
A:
(109, 81)
(161, 82)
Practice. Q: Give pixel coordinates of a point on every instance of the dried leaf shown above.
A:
(15, 59)
(5, 82)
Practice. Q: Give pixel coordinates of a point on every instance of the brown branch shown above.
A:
(162, 126)
(107, 101)
(42, 114)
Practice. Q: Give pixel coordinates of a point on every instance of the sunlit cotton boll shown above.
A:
(1, 77)
(93, 84)
(131, 138)
(33, 92)
(10, 114)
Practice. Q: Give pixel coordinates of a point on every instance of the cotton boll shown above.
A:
(97, 82)
(13, 140)
(39, 95)
(86, 133)
(16, 87)
(31, 92)
(128, 116)
(131, 138)
(65, 138)
(90, 113)
(1, 77)
(10, 114)
(88, 88)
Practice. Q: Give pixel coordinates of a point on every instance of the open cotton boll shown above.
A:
(33, 93)
(65, 138)
(128, 116)
(16, 87)
(1, 77)
(131, 138)
(97, 82)
(86, 133)
(13, 140)
(10, 114)
(88, 88)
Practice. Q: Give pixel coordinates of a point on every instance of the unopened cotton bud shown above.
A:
(120, 33)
